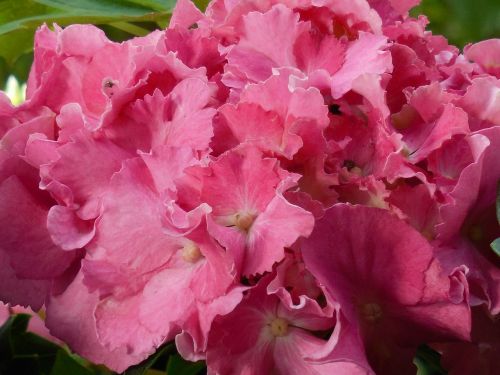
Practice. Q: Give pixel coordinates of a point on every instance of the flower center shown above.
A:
(191, 253)
(279, 327)
(371, 312)
(244, 221)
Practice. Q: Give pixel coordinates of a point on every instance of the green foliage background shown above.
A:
(462, 21)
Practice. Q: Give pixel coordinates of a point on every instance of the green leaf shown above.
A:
(143, 367)
(178, 366)
(428, 361)
(24, 352)
(14, 325)
(462, 21)
(65, 364)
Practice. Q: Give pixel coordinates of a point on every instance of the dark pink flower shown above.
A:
(273, 337)
(387, 282)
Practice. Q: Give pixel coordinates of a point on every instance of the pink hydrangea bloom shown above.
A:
(278, 186)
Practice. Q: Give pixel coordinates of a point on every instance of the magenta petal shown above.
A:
(24, 235)
(357, 253)
(17, 291)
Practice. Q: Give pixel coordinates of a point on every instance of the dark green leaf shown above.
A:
(144, 366)
(65, 364)
(24, 352)
(14, 325)
(462, 21)
(428, 361)
(178, 366)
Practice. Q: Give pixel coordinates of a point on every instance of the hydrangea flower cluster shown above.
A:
(280, 186)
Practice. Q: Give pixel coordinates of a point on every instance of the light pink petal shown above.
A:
(192, 118)
(364, 55)
(487, 54)
(290, 357)
(240, 181)
(315, 51)
(110, 65)
(192, 342)
(195, 49)
(70, 317)
(67, 230)
(72, 43)
(167, 303)
(129, 241)
(86, 166)
(70, 121)
(24, 235)
(279, 226)
(369, 85)
(482, 100)
(185, 14)
(35, 325)
(16, 138)
(114, 320)
(295, 102)
(251, 124)
(267, 42)
(181, 118)
(39, 151)
(176, 158)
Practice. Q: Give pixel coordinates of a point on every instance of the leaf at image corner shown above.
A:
(178, 366)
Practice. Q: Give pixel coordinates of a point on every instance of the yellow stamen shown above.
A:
(279, 327)
(371, 312)
(191, 253)
(244, 221)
